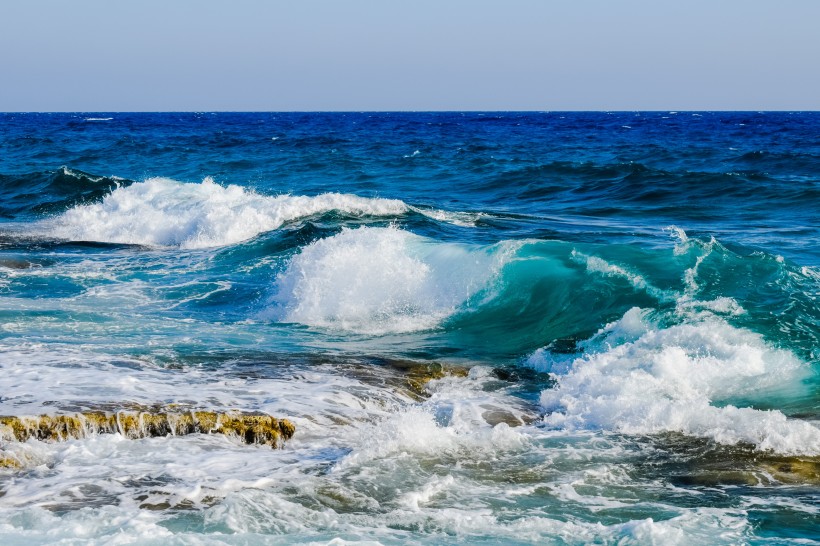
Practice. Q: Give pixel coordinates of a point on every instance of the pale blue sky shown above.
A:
(101, 55)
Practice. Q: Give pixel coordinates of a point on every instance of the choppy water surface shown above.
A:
(619, 313)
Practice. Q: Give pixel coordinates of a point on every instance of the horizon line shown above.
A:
(408, 111)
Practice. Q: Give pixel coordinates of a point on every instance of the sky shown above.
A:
(270, 55)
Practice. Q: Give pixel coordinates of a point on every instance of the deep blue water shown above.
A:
(637, 292)
(750, 178)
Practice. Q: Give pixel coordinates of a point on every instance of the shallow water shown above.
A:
(514, 327)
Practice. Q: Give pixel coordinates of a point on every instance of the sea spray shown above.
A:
(636, 378)
(380, 280)
(161, 212)
(166, 213)
(671, 396)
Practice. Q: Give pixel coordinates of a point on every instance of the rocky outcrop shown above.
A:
(251, 428)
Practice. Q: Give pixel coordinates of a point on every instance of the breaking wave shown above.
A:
(636, 377)
(162, 212)
(380, 280)
(165, 213)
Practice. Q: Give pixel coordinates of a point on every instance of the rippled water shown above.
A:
(514, 327)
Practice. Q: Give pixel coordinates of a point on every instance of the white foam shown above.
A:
(452, 422)
(637, 378)
(37, 379)
(161, 212)
(416, 431)
(364, 463)
(458, 218)
(66, 171)
(165, 213)
(258, 517)
(415, 499)
(721, 305)
(380, 280)
(679, 234)
(686, 301)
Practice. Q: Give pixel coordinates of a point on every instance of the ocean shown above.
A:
(481, 327)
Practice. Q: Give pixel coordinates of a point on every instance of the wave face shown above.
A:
(486, 328)
(52, 191)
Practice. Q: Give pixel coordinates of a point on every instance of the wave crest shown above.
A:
(165, 213)
(50, 191)
(635, 378)
(381, 280)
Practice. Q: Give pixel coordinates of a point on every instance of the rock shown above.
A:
(251, 428)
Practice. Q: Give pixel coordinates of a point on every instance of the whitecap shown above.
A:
(162, 212)
(165, 213)
(381, 280)
(635, 377)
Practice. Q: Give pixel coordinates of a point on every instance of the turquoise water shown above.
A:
(624, 306)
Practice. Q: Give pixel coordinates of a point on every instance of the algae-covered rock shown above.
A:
(254, 429)
(8, 461)
(794, 470)
(418, 375)
(251, 428)
(700, 462)
(761, 473)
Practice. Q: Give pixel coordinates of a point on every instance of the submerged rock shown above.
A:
(793, 470)
(702, 463)
(8, 461)
(14, 263)
(766, 471)
(418, 375)
(251, 428)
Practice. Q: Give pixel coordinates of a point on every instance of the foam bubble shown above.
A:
(66, 171)
(166, 213)
(365, 462)
(637, 378)
(379, 280)
(458, 218)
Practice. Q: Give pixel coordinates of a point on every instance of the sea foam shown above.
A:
(165, 213)
(381, 280)
(638, 378)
